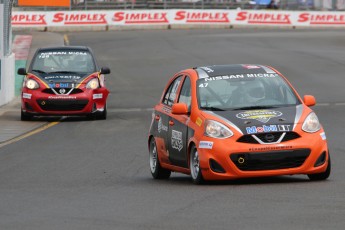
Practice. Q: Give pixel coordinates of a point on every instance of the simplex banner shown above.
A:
(177, 17)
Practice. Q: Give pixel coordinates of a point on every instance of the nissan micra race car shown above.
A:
(64, 81)
(235, 121)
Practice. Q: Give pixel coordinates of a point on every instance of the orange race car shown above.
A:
(235, 121)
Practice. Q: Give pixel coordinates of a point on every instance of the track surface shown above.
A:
(84, 174)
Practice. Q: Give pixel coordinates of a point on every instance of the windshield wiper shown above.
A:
(256, 107)
(212, 108)
(38, 71)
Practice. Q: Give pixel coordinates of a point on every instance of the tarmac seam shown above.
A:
(30, 133)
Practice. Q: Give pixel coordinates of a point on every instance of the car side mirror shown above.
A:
(22, 71)
(105, 70)
(179, 109)
(309, 100)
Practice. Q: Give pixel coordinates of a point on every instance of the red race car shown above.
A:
(235, 121)
(64, 81)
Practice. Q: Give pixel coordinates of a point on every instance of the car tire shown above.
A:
(24, 116)
(321, 176)
(194, 165)
(155, 167)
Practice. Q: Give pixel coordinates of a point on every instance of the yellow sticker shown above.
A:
(198, 121)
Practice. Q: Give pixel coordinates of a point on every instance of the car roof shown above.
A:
(61, 48)
(233, 69)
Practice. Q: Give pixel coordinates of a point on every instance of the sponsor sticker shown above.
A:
(261, 129)
(270, 148)
(62, 97)
(27, 95)
(205, 144)
(323, 136)
(59, 85)
(176, 140)
(198, 121)
(97, 96)
(161, 126)
(267, 128)
(260, 115)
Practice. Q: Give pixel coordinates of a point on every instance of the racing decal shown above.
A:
(161, 126)
(262, 129)
(197, 16)
(27, 95)
(207, 69)
(323, 136)
(274, 148)
(97, 96)
(62, 97)
(284, 128)
(59, 85)
(32, 19)
(260, 115)
(251, 66)
(62, 77)
(264, 17)
(176, 140)
(57, 53)
(79, 18)
(166, 109)
(141, 17)
(267, 128)
(198, 121)
(322, 18)
(241, 76)
(205, 144)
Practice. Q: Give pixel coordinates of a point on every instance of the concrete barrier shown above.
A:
(7, 79)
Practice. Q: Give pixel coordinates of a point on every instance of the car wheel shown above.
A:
(321, 176)
(194, 164)
(24, 116)
(156, 169)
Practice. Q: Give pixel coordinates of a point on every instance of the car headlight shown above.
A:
(93, 84)
(311, 123)
(31, 84)
(217, 130)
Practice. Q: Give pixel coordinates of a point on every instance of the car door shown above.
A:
(178, 128)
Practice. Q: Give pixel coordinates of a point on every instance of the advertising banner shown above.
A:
(178, 17)
(63, 3)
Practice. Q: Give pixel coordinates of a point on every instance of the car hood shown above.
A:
(281, 119)
(58, 78)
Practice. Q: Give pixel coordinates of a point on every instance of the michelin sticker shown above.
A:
(205, 144)
(176, 140)
(260, 115)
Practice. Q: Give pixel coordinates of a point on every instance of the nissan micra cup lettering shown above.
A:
(235, 121)
(64, 81)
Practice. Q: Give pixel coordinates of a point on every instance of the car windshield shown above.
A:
(244, 91)
(64, 61)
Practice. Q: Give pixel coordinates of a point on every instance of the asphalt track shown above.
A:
(82, 174)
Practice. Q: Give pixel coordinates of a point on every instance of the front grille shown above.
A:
(74, 91)
(270, 160)
(262, 136)
(62, 105)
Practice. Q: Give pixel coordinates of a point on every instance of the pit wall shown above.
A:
(172, 19)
